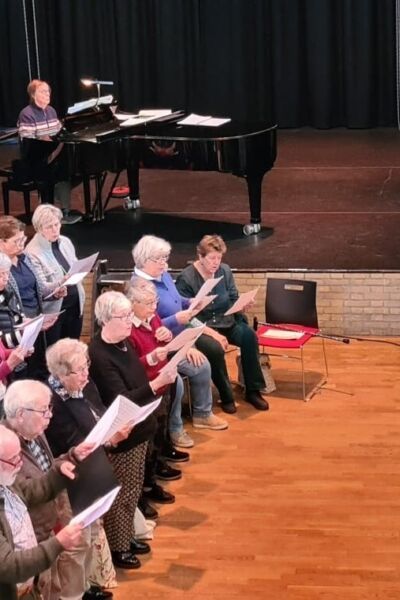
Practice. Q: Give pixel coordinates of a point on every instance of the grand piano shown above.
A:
(97, 143)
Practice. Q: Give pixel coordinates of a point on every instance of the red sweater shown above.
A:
(4, 368)
(144, 341)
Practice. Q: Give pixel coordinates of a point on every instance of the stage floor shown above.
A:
(330, 202)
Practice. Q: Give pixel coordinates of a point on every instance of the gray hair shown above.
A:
(61, 356)
(23, 394)
(108, 303)
(43, 214)
(139, 289)
(149, 246)
(5, 262)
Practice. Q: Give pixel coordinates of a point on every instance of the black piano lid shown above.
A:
(227, 131)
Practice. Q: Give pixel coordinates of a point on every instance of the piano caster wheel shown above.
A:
(252, 228)
(132, 204)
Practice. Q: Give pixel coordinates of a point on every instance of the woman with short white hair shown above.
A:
(116, 369)
(52, 255)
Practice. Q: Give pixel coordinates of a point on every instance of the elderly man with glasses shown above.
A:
(22, 557)
(28, 410)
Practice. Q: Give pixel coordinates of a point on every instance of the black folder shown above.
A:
(94, 477)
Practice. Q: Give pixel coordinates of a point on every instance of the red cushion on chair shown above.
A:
(120, 191)
(264, 340)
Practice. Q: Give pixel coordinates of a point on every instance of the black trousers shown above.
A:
(241, 335)
(68, 324)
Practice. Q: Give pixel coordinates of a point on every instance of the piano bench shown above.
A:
(11, 184)
(121, 191)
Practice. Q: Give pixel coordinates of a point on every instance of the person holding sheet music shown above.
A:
(28, 410)
(222, 330)
(116, 369)
(150, 256)
(52, 254)
(39, 121)
(11, 355)
(149, 336)
(28, 286)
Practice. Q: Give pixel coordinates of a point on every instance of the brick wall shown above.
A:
(356, 303)
(348, 303)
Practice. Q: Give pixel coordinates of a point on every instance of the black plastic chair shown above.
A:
(292, 321)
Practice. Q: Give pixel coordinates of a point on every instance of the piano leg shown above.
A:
(132, 171)
(254, 186)
(86, 195)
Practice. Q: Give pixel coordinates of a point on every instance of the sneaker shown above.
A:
(210, 422)
(182, 439)
(69, 219)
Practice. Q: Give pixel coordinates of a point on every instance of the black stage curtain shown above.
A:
(319, 63)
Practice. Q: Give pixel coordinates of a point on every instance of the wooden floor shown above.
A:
(299, 503)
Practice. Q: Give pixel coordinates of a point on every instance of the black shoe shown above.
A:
(255, 399)
(125, 560)
(228, 407)
(96, 593)
(139, 547)
(176, 456)
(148, 511)
(158, 494)
(167, 473)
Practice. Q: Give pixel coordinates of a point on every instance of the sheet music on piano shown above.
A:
(90, 103)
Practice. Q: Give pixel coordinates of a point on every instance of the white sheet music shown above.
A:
(31, 332)
(205, 289)
(203, 120)
(176, 359)
(120, 413)
(282, 334)
(90, 103)
(97, 509)
(155, 112)
(242, 302)
(83, 265)
(190, 334)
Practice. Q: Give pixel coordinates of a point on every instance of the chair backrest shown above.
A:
(291, 301)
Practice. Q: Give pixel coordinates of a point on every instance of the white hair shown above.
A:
(149, 246)
(140, 288)
(24, 394)
(43, 214)
(108, 303)
(62, 355)
(5, 262)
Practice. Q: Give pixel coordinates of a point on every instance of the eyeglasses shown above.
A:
(18, 241)
(13, 463)
(126, 317)
(160, 259)
(81, 370)
(149, 302)
(46, 412)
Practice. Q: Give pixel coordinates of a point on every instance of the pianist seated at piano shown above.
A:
(222, 330)
(39, 121)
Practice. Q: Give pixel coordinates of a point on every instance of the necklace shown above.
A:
(121, 345)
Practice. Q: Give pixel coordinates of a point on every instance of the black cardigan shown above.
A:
(73, 419)
(120, 372)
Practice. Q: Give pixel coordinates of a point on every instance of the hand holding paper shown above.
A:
(205, 289)
(120, 413)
